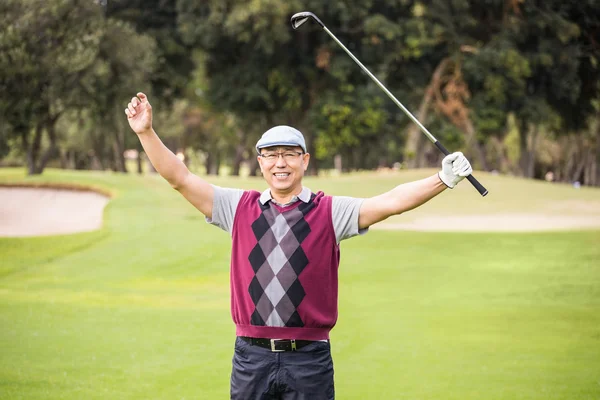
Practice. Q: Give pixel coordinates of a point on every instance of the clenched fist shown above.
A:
(455, 167)
(139, 114)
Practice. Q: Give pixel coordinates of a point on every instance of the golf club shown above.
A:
(300, 18)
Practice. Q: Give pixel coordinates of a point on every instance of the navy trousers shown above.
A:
(305, 374)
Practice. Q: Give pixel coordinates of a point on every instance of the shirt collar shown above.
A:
(304, 195)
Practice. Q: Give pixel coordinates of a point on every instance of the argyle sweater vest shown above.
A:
(284, 269)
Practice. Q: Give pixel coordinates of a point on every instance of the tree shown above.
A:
(65, 55)
(45, 49)
(539, 66)
(158, 19)
(261, 70)
(121, 69)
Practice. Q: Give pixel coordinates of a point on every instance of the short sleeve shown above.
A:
(225, 203)
(345, 212)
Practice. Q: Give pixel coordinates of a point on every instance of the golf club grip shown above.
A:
(482, 191)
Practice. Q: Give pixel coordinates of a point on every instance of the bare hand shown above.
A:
(139, 114)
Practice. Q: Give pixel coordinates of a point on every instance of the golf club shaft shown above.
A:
(390, 95)
(302, 17)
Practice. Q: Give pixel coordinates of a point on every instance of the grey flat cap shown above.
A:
(281, 135)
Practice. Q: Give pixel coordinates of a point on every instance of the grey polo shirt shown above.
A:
(344, 210)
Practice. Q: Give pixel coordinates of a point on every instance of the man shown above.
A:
(285, 255)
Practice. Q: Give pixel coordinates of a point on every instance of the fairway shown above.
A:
(140, 308)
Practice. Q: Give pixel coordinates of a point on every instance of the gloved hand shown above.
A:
(455, 167)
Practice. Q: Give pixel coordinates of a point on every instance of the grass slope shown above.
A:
(140, 309)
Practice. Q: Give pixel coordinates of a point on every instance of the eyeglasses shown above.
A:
(287, 156)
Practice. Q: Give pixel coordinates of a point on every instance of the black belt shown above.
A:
(277, 345)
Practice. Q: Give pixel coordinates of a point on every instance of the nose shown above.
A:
(280, 163)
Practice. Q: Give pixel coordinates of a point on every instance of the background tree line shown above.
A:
(512, 83)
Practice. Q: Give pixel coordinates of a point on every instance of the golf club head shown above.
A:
(300, 18)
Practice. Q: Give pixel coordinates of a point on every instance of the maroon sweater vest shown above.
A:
(284, 269)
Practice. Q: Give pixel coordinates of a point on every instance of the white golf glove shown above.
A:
(455, 167)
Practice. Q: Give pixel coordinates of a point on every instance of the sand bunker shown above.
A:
(496, 223)
(39, 212)
(44, 211)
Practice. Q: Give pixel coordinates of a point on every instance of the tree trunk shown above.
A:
(118, 151)
(118, 161)
(527, 144)
(500, 160)
(588, 171)
(362, 162)
(532, 147)
(63, 159)
(253, 167)
(217, 164)
(313, 166)
(25, 147)
(237, 159)
(346, 159)
(140, 170)
(413, 150)
(571, 153)
(212, 162)
(208, 162)
(524, 148)
(69, 159)
(98, 160)
(34, 149)
(596, 156)
(580, 168)
(475, 146)
(354, 160)
(51, 151)
(337, 163)
(432, 157)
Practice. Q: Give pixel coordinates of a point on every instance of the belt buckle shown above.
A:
(274, 350)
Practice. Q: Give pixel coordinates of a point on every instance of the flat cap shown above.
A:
(281, 135)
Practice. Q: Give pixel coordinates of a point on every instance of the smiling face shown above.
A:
(283, 168)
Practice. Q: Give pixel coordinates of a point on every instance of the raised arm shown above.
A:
(196, 190)
(405, 197)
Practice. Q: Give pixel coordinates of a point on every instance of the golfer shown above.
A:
(285, 255)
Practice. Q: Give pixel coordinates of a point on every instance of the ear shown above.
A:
(305, 160)
(259, 158)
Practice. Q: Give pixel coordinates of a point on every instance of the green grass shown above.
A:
(140, 308)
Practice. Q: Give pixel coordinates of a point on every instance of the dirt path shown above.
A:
(39, 212)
